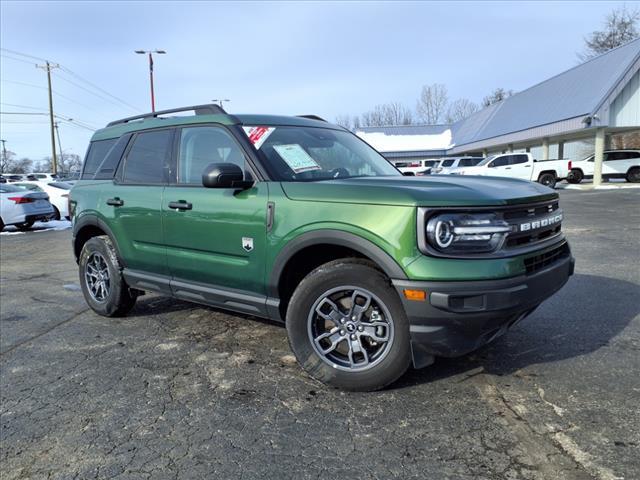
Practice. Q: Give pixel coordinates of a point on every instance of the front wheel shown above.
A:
(103, 286)
(547, 179)
(575, 176)
(347, 326)
(633, 175)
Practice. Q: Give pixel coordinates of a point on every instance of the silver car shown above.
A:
(23, 208)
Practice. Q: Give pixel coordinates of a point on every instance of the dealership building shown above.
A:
(589, 108)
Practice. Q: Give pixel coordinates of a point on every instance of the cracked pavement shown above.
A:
(176, 390)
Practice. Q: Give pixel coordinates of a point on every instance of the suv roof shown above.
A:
(204, 114)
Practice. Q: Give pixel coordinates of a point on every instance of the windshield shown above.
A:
(486, 160)
(307, 154)
(61, 185)
(29, 186)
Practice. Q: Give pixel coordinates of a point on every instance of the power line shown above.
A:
(70, 72)
(20, 106)
(45, 88)
(16, 59)
(87, 90)
(73, 74)
(14, 52)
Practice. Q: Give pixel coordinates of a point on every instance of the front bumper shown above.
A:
(459, 317)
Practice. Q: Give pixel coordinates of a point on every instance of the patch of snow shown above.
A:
(407, 143)
(51, 225)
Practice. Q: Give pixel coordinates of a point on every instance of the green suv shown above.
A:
(299, 221)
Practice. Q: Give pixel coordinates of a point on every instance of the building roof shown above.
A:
(554, 106)
(577, 92)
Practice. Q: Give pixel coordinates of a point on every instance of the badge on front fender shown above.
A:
(247, 243)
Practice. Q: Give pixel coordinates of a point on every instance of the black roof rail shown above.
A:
(313, 117)
(208, 109)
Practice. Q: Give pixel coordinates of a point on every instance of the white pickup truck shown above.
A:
(520, 165)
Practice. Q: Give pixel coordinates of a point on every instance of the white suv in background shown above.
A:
(449, 165)
(417, 167)
(616, 164)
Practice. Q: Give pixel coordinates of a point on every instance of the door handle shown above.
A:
(180, 205)
(507, 168)
(527, 166)
(115, 202)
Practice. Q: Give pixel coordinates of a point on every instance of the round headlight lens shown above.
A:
(443, 233)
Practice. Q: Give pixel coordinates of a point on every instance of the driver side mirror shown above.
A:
(225, 175)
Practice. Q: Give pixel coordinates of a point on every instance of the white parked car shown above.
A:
(58, 193)
(23, 208)
(522, 166)
(616, 164)
(417, 167)
(449, 165)
(43, 177)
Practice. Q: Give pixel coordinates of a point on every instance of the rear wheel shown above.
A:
(576, 176)
(347, 326)
(1, 225)
(23, 227)
(547, 179)
(633, 175)
(101, 279)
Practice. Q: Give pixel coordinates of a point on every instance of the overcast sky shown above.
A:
(326, 58)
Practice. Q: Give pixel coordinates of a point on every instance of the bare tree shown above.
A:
(432, 103)
(460, 109)
(69, 162)
(496, 96)
(344, 121)
(6, 161)
(620, 27)
(393, 113)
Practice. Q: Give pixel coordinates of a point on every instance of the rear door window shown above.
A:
(447, 163)
(516, 159)
(147, 161)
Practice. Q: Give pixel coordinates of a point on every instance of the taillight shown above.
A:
(22, 199)
(569, 165)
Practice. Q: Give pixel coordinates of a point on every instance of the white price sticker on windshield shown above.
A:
(297, 158)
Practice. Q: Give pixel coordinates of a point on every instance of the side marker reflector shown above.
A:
(415, 295)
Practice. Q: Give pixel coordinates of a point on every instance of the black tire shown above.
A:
(118, 299)
(547, 179)
(633, 175)
(576, 176)
(395, 356)
(56, 213)
(23, 227)
(1, 225)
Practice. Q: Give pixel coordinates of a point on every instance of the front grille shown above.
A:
(538, 262)
(519, 217)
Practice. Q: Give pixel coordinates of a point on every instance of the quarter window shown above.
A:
(201, 146)
(95, 155)
(148, 158)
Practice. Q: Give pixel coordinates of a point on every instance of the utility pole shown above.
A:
(150, 53)
(59, 145)
(54, 161)
(4, 156)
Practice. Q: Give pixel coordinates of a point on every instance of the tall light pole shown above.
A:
(48, 67)
(150, 53)
(220, 100)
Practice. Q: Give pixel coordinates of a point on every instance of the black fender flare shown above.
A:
(333, 237)
(92, 220)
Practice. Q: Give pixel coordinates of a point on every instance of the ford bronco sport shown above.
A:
(299, 221)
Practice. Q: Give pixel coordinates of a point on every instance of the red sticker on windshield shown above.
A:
(258, 135)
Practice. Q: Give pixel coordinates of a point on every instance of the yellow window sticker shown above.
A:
(297, 158)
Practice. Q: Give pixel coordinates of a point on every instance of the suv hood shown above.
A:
(425, 191)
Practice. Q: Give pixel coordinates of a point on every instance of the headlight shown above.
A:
(466, 232)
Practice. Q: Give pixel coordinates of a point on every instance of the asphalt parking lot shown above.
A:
(176, 390)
